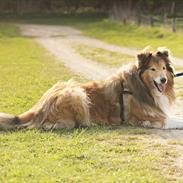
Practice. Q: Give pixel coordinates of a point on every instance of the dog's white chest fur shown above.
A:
(163, 102)
(171, 122)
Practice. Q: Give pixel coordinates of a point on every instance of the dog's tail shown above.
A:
(8, 121)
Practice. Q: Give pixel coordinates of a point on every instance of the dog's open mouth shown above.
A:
(161, 87)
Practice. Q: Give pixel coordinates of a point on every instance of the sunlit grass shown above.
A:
(97, 154)
(86, 155)
(133, 36)
(102, 27)
(27, 71)
(113, 59)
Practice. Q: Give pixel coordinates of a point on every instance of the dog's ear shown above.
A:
(163, 52)
(143, 57)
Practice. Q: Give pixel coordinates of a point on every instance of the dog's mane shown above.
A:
(137, 86)
(131, 76)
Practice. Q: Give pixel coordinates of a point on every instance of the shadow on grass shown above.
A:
(122, 130)
(80, 19)
(54, 18)
(8, 31)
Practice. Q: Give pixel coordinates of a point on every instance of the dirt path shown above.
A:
(65, 36)
(58, 40)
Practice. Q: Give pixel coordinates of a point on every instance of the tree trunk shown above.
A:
(173, 17)
(122, 10)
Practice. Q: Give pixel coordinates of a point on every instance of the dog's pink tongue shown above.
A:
(162, 87)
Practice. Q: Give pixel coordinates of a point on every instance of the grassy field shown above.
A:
(98, 154)
(109, 58)
(27, 71)
(101, 27)
(134, 36)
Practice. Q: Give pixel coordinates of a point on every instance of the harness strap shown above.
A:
(121, 101)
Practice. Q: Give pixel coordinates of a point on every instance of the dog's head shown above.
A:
(155, 70)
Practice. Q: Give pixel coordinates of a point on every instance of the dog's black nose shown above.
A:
(163, 80)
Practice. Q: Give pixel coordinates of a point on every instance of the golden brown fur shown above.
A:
(69, 105)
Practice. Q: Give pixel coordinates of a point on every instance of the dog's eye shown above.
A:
(153, 69)
(164, 68)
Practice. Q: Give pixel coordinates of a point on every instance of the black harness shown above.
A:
(123, 92)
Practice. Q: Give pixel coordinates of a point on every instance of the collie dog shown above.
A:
(139, 94)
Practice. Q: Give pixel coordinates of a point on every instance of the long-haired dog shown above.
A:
(139, 94)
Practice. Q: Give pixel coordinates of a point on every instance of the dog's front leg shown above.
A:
(173, 122)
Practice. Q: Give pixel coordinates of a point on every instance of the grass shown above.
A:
(26, 71)
(133, 36)
(100, 154)
(101, 27)
(97, 154)
(113, 59)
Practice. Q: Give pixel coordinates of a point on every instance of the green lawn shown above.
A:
(27, 71)
(113, 59)
(101, 27)
(134, 36)
(91, 155)
(98, 154)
